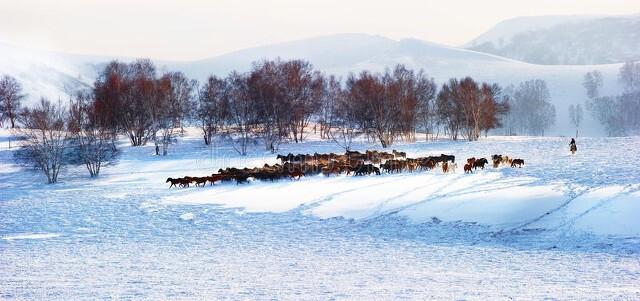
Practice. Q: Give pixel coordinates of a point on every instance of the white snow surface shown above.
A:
(31, 236)
(561, 227)
(553, 185)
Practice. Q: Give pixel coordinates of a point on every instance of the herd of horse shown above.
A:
(497, 160)
(295, 166)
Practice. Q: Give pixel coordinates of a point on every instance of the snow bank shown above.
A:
(554, 191)
(31, 236)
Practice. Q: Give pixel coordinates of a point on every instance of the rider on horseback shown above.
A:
(572, 146)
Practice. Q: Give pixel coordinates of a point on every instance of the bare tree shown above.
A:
(328, 108)
(606, 110)
(93, 140)
(345, 123)
(620, 114)
(268, 93)
(46, 138)
(401, 84)
(182, 97)
(469, 108)
(576, 115)
(213, 107)
(303, 93)
(130, 91)
(494, 106)
(629, 101)
(172, 102)
(471, 98)
(138, 117)
(372, 104)
(592, 82)
(242, 112)
(509, 122)
(531, 108)
(630, 76)
(10, 99)
(450, 112)
(426, 90)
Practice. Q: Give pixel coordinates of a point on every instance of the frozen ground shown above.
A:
(562, 227)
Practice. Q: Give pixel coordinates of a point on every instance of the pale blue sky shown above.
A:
(191, 29)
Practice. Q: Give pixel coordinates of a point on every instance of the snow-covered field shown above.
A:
(562, 227)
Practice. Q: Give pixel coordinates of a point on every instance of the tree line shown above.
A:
(618, 114)
(530, 109)
(275, 102)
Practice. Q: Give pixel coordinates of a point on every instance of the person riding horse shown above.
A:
(572, 146)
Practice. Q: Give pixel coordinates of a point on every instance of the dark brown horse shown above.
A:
(200, 180)
(215, 177)
(446, 158)
(518, 162)
(480, 163)
(445, 167)
(179, 182)
(296, 175)
(174, 182)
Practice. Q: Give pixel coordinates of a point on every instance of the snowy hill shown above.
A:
(47, 74)
(557, 40)
(503, 31)
(341, 54)
(51, 74)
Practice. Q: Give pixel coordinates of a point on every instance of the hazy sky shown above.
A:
(191, 29)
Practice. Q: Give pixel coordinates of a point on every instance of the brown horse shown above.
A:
(179, 182)
(445, 167)
(429, 164)
(518, 162)
(398, 154)
(471, 160)
(296, 175)
(412, 165)
(329, 170)
(496, 159)
(480, 163)
(496, 163)
(174, 182)
(215, 177)
(200, 180)
(468, 168)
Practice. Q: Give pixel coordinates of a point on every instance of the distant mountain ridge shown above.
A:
(341, 54)
(564, 40)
